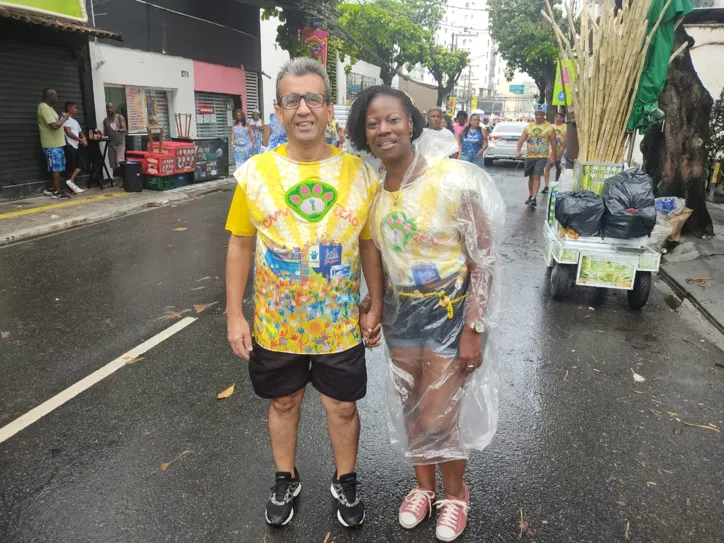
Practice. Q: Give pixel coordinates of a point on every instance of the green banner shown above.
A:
(562, 89)
(68, 9)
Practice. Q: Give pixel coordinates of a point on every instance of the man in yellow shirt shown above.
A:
(561, 131)
(52, 140)
(306, 205)
(541, 141)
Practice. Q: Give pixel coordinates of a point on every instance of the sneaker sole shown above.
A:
(339, 515)
(291, 515)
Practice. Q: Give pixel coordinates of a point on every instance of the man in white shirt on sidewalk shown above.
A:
(74, 137)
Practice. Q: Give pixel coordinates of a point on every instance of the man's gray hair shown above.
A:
(303, 66)
(435, 108)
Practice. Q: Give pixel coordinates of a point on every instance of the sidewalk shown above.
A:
(23, 219)
(704, 259)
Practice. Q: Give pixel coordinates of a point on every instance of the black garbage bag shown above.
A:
(630, 205)
(581, 211)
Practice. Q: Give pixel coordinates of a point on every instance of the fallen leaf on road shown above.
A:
(165, 465)
(180, 229)
(172, 315)
(650, 484)
(628, 529)
(705, 427)
(329, 534)
(671, 413)
(4, 335)
(620, 503)
(132, 359)
(203, 307)
(700, 281)
(524, 526)
(226, 393)
(688, 501)
(637, 377)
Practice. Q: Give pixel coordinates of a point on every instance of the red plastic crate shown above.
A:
(153, 163)
(184, 155)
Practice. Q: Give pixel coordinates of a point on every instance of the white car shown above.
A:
(503, 142)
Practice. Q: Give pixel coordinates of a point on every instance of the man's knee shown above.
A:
(287, 405)
(340, 410)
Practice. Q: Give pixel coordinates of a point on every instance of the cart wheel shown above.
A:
(561, 278)
(638, 297)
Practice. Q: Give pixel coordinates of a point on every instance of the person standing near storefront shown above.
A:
(257, 128)
(52, 140)
(242, 138)
(114, 127)
(74, 137)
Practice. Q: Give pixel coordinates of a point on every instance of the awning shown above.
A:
(56, 22)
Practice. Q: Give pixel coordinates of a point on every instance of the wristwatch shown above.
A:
(478, 326)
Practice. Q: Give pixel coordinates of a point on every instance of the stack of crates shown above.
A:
(178, 171)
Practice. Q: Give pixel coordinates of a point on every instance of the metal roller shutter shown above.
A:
(26, 69)
(223, 105)
(252, 92)
(157, 103)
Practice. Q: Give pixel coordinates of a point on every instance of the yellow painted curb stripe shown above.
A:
(73, 202)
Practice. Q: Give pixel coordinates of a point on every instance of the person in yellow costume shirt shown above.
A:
(541, 149)
(561, 132)
(306, 205)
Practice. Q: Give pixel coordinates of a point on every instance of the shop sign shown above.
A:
(136, 110)
(206, 110)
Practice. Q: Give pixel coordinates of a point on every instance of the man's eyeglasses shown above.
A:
(313, 100)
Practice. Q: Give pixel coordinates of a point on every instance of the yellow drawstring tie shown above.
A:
(443, 299)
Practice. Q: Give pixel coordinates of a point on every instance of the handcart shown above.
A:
(622, 264)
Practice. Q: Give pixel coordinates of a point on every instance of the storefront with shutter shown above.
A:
(36, 53)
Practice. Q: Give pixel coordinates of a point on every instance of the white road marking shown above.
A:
(19, 424)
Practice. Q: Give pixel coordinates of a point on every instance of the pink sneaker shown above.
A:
(453, 517)
(416, 506)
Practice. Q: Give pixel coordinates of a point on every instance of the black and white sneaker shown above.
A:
(280, 507)
(48, 192)
(533, 202)
(545, 190)
(350, 508)
(60, 195)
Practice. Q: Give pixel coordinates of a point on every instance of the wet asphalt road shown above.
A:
(581, 449)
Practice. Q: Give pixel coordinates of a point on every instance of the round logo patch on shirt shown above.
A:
(397, 230)
(311, 199)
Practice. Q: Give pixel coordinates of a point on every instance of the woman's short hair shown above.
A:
(357, 118)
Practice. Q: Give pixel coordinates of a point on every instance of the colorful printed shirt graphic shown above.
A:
(416, 227)
(561, 131)
(308, 217)
(473, 141)
(539, 140)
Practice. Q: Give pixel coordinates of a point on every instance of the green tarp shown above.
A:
(656, 66)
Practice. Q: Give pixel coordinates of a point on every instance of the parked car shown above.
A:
(503, 142)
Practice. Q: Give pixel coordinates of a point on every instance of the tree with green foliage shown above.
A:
(388, 33)
(526, 42)
(293, 20)
(446, 67)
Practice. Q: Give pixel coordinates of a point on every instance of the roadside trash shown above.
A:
(580, 211)
(226, 393)
(630, 205)
(636, 377)
(703, 282)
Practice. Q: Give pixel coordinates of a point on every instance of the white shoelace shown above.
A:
(417, 497)
(450, 512)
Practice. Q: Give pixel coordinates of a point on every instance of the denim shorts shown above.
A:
(55, 158)
(472, 157)
(417, 317)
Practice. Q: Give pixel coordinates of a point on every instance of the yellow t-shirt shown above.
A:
(538, 140)
(416, 227)
(308, 218)
(561, 132)
(49, 138)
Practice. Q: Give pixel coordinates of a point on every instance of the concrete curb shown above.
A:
(122, 207)
(685, 293)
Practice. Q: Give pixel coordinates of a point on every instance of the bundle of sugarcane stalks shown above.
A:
(607, 51)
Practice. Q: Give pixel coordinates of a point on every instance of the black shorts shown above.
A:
(341, 376)
(73, 158)
(535, 166)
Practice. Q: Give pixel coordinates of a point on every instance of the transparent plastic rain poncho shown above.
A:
(438, 237)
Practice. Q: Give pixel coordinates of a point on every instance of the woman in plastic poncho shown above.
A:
(435, 221)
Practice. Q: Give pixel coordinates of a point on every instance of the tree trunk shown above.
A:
(387, 74)
(440, 96)
(675, 154)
